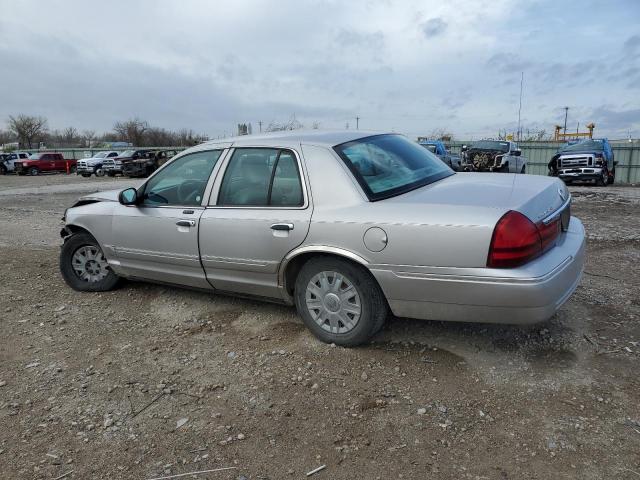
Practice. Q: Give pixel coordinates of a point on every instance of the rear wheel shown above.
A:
(83, 265)
(339, 302)
(3, 170)
(34, 171)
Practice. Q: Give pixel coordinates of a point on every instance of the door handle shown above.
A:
(282, 226)
(186, 223)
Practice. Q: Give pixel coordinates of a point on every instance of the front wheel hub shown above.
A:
(89, 264)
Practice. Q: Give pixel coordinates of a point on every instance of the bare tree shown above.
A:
(441, 134)
(131, 130)
(28, 129)
(88, 136)
(69, 136)
(292, 124)
(6, 137)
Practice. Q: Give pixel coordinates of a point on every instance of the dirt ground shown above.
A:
(151, 381)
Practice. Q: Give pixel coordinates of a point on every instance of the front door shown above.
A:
(158, 239)
(261, 213)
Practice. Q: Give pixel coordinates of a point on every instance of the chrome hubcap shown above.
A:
(333, 302)
(89, 264)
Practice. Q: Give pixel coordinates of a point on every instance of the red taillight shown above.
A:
(549, 233)
(517, 240)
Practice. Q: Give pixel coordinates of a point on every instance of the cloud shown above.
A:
(433, 27)
(324, 60)
(632, 43)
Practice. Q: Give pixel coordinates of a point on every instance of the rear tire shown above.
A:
(83, 266)
(33, 171)
(350, 307)
(3, 170)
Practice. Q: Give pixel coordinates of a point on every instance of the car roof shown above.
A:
(328, 138)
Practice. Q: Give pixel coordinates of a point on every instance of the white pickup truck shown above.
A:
(88, 166)
(8, 160)
(493, 156)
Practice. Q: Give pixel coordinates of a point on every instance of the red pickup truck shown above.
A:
(45, 162)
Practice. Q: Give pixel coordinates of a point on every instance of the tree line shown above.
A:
(29, 131)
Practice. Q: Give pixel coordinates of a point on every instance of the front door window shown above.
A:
(182, 183)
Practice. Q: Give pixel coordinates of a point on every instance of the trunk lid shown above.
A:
(535, 196)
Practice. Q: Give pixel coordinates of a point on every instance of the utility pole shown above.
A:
(260, 123)
(566, 112)
(520, 107)
(357, 123)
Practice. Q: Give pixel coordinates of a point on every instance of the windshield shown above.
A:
(36, 156)
(585, 145)
(100, 155)
(388, 165)
(491, 145)
(430, 147)
(127, 153)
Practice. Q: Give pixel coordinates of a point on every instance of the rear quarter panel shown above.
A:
(418, 235)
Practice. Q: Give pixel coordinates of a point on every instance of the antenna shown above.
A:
(566, 112)
(520, 107)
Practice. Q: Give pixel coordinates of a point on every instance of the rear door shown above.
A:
(158, 239)
(259, 211)
(47, 162)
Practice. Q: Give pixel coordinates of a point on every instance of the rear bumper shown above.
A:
(524, 295)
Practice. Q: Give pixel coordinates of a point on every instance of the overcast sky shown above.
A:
(408, 66)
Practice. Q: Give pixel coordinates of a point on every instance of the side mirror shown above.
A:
(516, 153)
(128, 196)
(615, 162)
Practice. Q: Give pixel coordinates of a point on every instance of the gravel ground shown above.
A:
(152, 381)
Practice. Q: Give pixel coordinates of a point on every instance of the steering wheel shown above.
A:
(188, 192)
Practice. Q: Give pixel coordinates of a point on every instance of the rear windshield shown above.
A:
(586, 145)
(388, 165)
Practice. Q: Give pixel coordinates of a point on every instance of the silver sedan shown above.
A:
(344, 225)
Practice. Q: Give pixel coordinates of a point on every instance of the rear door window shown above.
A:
(261, 177)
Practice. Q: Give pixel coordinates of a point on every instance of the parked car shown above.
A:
(586, 160)
(93, 166)
(44, 162)
(345, 226)
(146, 163)
(493, 156)
(113, 166)
(438, 148)
(8, 160)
